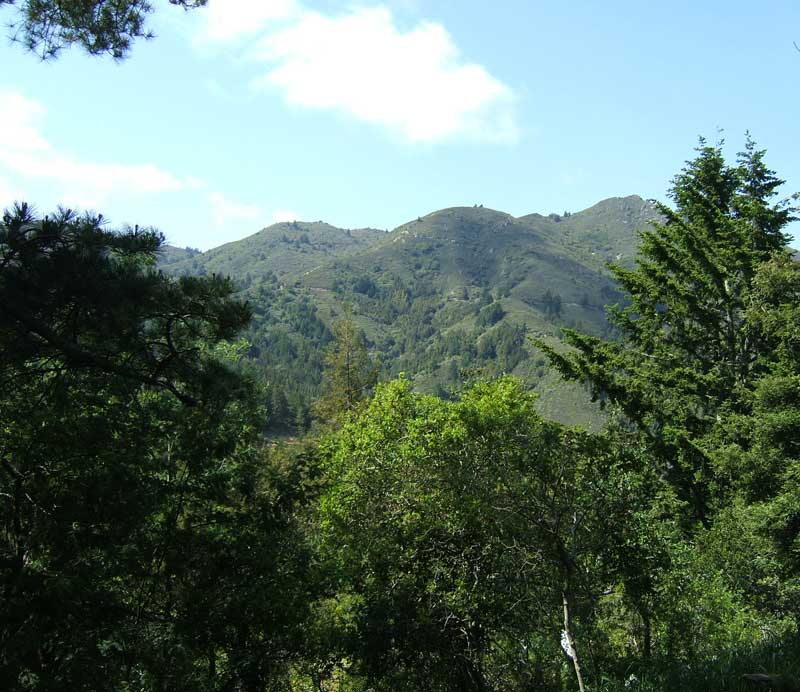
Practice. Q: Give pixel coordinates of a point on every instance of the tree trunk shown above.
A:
(570, 639)
(647, 636)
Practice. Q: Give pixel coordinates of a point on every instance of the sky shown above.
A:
(249, 112)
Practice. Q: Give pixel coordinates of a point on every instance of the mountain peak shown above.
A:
(632, 205)
(604, 231)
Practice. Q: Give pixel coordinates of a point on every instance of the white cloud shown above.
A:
(222, 21)
(89, 184)
(20, 119)
(194, 183)
(413, 82)
(226, 211)
(25, 152)
(283, 215)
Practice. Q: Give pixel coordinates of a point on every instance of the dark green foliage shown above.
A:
(490, 315)
(74, 291)
(365, 285)
(685, 353)
(131, 500)
(757, 450)
(98, 26)
(552, 303)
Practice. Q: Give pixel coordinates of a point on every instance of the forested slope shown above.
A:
(456, 291)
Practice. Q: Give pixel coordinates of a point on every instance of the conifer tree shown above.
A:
(684, 354)
(117, 423)
(349, 374)
(98, 26)
(763, 463)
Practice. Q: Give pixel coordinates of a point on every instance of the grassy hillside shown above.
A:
(170, 256)
(285, 249)
(444, 298)
(605, 232)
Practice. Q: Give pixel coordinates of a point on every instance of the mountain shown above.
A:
(451, 294)
(171, 257)
(285, 249)
(605, 232)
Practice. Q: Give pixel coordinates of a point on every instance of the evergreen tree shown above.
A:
(348, 376)
(278, 407)
(684, 354)
(98, 26)
(756, 453)
(124, 433)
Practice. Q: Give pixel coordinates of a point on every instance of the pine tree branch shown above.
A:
(81, 357)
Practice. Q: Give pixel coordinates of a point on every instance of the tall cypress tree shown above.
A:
(683, 355)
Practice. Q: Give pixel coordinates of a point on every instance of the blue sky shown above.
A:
(374, 113)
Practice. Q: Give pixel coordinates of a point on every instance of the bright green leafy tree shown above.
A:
(463, 537)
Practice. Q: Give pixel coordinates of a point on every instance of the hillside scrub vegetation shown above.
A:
(456, 293)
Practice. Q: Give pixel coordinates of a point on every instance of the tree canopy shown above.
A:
(459, 532)
(132, 500)
(685, 351)
(98, 26)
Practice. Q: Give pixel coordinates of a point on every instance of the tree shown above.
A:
(684, 354)
(461, 538)
(490, 315)
(278, 407)
(552, 303)
(77, 297)
(704, 379)
(122, 431)
(98, 26)
(755, 449)
(349, 374)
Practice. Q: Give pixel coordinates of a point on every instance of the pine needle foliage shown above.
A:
(684, 353)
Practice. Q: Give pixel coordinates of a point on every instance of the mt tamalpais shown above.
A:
(451, 295)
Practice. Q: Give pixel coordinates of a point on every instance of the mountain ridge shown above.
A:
(536, 219)
(456, 291)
